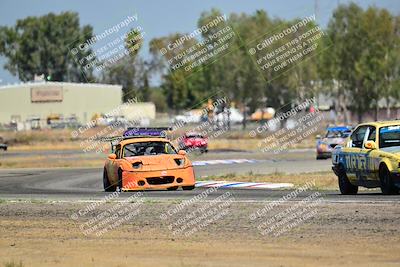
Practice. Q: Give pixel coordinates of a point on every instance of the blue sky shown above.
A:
(160, 18)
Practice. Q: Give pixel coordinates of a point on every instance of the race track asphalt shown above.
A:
(85, 184)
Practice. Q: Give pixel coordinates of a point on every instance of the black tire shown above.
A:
(346, 188)
(320, 157)
(173, 188)
(387, 185)
(106, 183)
(190, 187)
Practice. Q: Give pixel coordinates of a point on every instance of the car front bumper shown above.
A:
(327, 154)
(157, 180)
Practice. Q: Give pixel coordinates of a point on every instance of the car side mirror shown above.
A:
(112, 156)
(182, 152)
(370, 145)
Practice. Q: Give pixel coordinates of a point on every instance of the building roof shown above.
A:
(32, 84)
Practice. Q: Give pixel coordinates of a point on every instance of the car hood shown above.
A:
(393, 150)
(157, 162)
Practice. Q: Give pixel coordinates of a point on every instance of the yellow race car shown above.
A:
(142, 159)
(370, 158)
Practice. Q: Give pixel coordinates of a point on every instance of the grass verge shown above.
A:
(13, 264)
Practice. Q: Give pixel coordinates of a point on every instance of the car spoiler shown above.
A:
(133, 132)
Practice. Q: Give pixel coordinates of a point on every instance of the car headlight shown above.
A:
(322, 146)
(180, 162)
(137, 165)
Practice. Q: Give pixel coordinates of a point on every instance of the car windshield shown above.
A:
(148, 148)
(389, 136)
(337, 134)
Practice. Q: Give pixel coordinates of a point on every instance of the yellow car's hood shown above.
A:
(393, 149)
(394, 152)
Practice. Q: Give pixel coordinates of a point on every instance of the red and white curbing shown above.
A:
(243, 185)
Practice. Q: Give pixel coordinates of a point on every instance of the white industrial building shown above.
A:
(41, 100)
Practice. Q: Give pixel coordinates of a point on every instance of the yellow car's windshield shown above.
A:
(389, 136)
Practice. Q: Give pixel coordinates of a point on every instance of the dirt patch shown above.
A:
(43, 234)
(46, 160)
(58, 157)
(69, 139)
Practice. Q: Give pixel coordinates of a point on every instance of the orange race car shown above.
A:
(143, 158)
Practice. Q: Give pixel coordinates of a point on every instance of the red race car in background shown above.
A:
(194, 141)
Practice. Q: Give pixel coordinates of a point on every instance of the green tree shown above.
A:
(131, 71)
(392, 68)
(358, 67)
(40, 45)
(362, 61)
(124, 73)
(373, 63)
(177, 86)
(347, 36)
